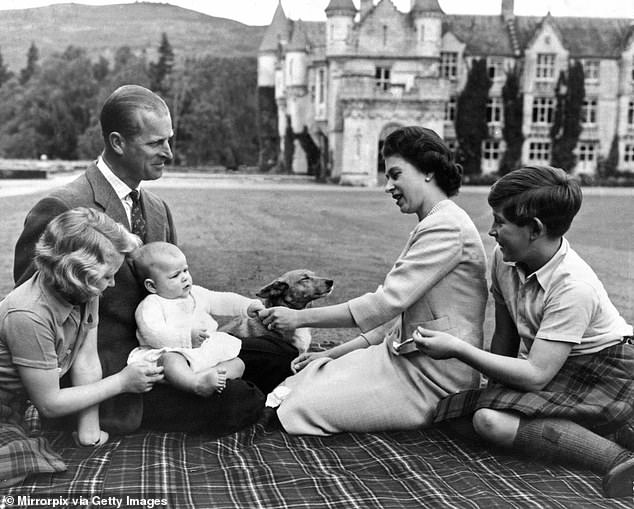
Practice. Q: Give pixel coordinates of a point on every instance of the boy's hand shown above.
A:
(280, 319)
(438, 345)
(198, 337)
(254, 308)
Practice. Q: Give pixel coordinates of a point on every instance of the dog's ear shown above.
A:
(272, 290)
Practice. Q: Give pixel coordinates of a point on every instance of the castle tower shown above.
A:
(276, 36)
(340, 14)
(427, 16)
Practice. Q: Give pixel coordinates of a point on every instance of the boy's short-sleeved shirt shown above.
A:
(562, 301)
(39, 329)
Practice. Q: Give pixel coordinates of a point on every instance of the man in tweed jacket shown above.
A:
(136, 127)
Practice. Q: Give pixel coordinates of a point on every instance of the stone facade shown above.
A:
(352, 79)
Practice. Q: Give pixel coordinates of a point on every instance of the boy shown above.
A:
(176, 323)
(570, 382)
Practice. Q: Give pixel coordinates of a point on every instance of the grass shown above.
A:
(239, 239)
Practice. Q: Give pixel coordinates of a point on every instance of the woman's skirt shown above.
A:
(595, 391)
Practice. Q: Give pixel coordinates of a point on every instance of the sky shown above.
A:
(260, 12)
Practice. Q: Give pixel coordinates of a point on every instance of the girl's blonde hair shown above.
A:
(72, 253)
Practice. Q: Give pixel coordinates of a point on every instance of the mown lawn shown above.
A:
(239, 239)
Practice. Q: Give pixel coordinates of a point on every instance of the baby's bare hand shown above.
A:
(254, 308)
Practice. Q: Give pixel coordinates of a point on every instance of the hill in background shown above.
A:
(103, 29)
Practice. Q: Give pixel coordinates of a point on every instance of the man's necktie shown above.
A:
(137, 221)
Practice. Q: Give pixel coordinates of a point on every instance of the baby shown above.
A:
(176, 325)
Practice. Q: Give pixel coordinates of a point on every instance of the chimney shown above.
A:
(365, 7)
(507, 9)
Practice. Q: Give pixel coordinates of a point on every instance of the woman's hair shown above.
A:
(119, 112)
(72, 253)
(428, 153)
(542, 192)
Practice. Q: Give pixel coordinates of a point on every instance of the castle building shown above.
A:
(353, 79)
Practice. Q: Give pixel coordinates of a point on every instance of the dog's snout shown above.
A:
(329, 283)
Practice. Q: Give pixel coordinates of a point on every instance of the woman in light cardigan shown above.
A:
(373, 383)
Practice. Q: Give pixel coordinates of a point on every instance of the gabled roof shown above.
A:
(343, 6)
(482, 35)
(583, 37)
(426, 6)
(279, 29)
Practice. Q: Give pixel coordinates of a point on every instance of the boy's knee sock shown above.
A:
(564, 441)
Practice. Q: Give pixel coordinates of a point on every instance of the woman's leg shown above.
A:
(561, 441)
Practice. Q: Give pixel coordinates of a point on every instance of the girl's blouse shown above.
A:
(39, 329)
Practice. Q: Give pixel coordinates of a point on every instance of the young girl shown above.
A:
(48, 327)
(572, 378)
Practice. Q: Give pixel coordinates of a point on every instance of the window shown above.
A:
(632, 68)
(545, 69)
(321, 84)
(448, 65)
(494, 110)
(628, 153)
(382, 75)
(384, 35)
(450, 109)
(539, 151)
(491, 150)
(587, 152)
(591, 70)
(495, 66)
(589, 111)
(543, 109)
(630, 113)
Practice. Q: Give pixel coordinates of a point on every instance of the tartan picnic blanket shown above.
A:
(263, 467)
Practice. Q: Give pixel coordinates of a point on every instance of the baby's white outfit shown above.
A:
(164, 325)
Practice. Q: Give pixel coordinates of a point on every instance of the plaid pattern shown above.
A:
(21, 454)
(596, 391)
(266, 468)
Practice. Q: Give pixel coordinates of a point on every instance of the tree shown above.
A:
(5, 74)
(216, 123)
(513, 101)
(471, 117)
(56, 107)
(161, 70)
(567, 124)
(608, 167)
(32, 57)
(269, 138)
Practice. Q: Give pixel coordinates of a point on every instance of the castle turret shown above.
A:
(296, 57)
(427, 16)
(340, 14)
(276, 36)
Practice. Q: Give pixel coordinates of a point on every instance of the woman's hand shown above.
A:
(436, 344)
(280, 319)
(301, 361)
(140, 376)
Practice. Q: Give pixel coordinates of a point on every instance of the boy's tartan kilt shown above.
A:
(594, 390)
